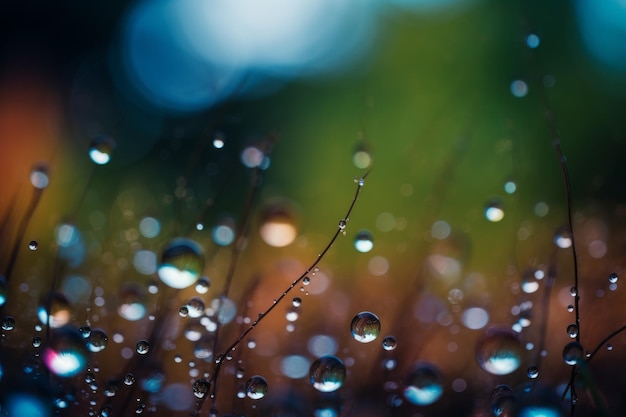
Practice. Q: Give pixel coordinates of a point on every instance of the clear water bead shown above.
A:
(365, 327)
(256, 387)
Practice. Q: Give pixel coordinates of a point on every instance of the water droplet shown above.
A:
(306, 281)
(365, 327)
(342, 224)
(499, 351)
(143, 347)
(182, 262)
(570, 308)
(100, 150)
(200, 388)
(97, 340)
(609, 347)
(297, 301)
(129, 379)
(195, 307)
(37, 341)
(203, 285)
(39, 176)
(389, 343)
(573, 353)
(423, 385)
(8, 323)
(573, 291)
(572, 331)
(494, 211)
(363, 241)
(256, 387)
(502, 401)
(613, 278)
(183, 311)
(532, 372)
(327, 374)
(33, 245)
(85, 331)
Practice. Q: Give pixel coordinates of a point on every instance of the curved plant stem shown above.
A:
(219, 360)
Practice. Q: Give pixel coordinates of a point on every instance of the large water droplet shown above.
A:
(423, 385)
(499, 351)
(363, 241)
(365, 327)
(502, 401)
(201, 388)
(256, 387)
(182, 262)
(573, 353)
(327, 374)
(195, 307)
(8, 323)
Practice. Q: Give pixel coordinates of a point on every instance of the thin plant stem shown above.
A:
(219, 360)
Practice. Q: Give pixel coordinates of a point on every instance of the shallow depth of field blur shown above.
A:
(147, 144)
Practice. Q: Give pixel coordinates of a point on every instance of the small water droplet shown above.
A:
(129, 379)
(297, 301)
(389, 343)
(572, 331)
(570, 308)
(613, 278)
(203, 285)
(33, 245)
(306, 281)
(342, 224)
(37, 341)
(143, 347)
(573, 291)
(532, 372)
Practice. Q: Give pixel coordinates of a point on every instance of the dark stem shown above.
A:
(219, 359)
(21, 230)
